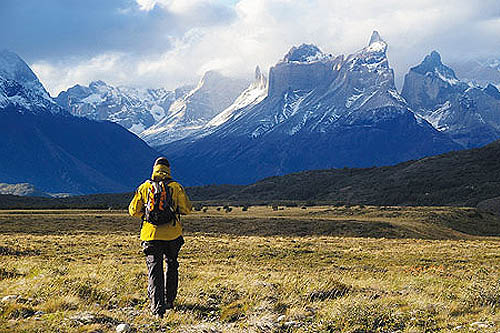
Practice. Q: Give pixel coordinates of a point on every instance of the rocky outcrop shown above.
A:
(469, 114)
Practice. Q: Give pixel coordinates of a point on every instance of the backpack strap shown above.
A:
(171, 200)
(150, 198)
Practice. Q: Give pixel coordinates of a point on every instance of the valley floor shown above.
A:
(318, 269)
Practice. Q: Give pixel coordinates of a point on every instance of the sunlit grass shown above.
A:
(321, 269)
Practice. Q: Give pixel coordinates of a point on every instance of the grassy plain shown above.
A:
(320, 269)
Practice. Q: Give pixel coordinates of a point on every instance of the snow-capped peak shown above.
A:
(211, 77)
(20, 87)
(492, 91)
(258, 72)
(133, 108)
(253, 95)
(99, 86)
(376, 44)
(260, 78)
(372, 58)
(432, 65)
(375, 37)
(13, 68)
(305, 53)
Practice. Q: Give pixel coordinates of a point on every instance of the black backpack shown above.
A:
(160, 206)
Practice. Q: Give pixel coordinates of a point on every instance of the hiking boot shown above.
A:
(158, 316)
(169, 305)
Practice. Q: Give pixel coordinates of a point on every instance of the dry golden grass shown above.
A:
(320, 269)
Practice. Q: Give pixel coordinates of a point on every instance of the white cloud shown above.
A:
(59, 76)
(175, 6)
(263, 31)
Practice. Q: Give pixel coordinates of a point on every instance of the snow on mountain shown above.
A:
(132, 108)
(492, 90)
(188, 115)
(305, 53)
(320, 111)
(20, 87)
(44, 145)
(468, 113)
(253, 95)
(376, 44)
(479, 71)
(23, 189)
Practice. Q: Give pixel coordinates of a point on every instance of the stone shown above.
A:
(84, 318)
(10, 298)
(290, 324)
(124, 327)
(481, 325)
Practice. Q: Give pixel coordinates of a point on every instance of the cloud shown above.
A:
(168, 42)
(60, 76)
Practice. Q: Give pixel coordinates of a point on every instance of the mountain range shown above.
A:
(190, 113)
(319, 111)
(312, 111)
(41, 143)
(133, 109)
(462, 109)
(479, 71)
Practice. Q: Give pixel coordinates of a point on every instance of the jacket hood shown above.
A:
(160, 172)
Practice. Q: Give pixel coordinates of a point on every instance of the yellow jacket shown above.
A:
(181, 204)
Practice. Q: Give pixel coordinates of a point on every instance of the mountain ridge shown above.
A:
(322, 111)
(41, 143)
(190, 113)
(462, 178)
(469, 114)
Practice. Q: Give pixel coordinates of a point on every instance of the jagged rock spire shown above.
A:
(433, 58)
(258, 73)
(432, 64)
(304, 53)
(377, 44)
(375, 37)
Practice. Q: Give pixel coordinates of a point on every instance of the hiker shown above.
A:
(159, 202)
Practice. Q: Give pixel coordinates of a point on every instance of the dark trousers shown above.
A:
(162, 287)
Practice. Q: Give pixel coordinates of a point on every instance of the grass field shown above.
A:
(320, 269)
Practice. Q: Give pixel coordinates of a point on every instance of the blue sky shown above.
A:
(165, 43)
